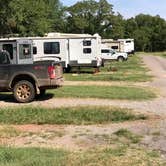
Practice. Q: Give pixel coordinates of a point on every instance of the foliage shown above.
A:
(35, 18)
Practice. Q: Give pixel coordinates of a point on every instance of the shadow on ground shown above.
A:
(9, 98)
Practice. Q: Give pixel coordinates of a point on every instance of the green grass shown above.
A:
(162, 54)
(31, 157)
(132, 70)
(75, 115)
(104, 92)
(119, 156)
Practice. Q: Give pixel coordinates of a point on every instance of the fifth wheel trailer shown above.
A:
(120, 45)
(75, 50)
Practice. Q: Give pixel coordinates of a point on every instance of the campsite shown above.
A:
(81, 92)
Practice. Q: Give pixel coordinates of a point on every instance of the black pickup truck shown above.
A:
(26, 78)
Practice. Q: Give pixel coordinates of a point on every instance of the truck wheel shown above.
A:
(24, 91)
(120, 59)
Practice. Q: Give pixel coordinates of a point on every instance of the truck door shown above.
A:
(24, 52)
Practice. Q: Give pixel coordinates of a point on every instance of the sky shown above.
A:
(131, 8)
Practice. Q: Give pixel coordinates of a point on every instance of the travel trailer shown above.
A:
(120, 45)
(75, 50)
(128, 45)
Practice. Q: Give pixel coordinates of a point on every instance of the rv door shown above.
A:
(24, 52)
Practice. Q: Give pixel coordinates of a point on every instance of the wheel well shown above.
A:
(120, 57)
(22, 77)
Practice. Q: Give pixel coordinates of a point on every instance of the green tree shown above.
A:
(89, 16)
(30, 17)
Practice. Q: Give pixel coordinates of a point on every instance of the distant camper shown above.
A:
(120, 45)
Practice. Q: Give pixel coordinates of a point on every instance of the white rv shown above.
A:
(120, 45)
(75, 50)
(128, 45)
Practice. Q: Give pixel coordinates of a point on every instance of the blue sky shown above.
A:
(130, 8)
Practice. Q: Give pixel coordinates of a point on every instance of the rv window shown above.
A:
(87, 43)
(114, 47)
(128, 41)
(9, 49)
(105, 51)
(51, 48)
(24, 51)
(34, 50)
(87, 50)
(4, 57)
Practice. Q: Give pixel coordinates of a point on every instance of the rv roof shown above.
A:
(125, 39)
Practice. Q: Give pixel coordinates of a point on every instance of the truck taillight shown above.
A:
(51, 72)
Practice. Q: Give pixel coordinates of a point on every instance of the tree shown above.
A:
(89, 16)
(30, 17)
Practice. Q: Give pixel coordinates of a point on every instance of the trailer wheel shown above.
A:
(120, 59)
(68, 69)
(24, 91)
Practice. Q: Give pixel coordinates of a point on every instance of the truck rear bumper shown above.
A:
(51, 83)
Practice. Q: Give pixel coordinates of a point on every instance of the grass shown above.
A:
(104, 92)
(31, 157)
(162, 54)
(128, 135)
(75, 115)
(119, 156)
(132, 70)
(8, 132)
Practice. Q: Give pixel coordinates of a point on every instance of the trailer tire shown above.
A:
(24, 91)
(68, 69)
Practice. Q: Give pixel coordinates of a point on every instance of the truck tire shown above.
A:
(120, 59)
(24, 91)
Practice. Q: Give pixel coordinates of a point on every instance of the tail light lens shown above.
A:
(51, 72)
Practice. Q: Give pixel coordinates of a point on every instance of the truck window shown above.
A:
(105, 51)
(128, 41)
(87, 43)
(51, 48)
(87, 50)
(9, 49)
(24, 51)
(4, 57)
(34, 50)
